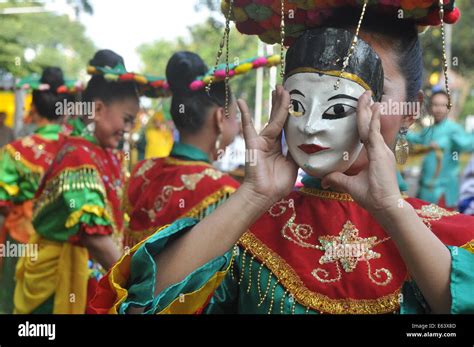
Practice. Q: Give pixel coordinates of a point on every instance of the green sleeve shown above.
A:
(143, 271)
(461, 287)
(416, 138)
(17, 182)
(462, 280)
(463, 141)
(69, 203)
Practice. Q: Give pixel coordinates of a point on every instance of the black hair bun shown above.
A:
(106, 58)
(182, 69)
(52, 76)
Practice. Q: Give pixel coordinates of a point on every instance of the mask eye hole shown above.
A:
(339, 111)
(296, 108)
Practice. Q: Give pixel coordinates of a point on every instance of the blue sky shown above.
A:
(123, 25)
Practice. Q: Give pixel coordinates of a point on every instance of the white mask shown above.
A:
(323, 122)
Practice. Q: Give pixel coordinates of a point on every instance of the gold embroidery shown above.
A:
(208, 201)
(346, 249)
(469, 246)
(326, 194)
(316, 301)
(189, 183)
(143, 170)
(75, 179)
(432, 212)
(197, 211)
(330, 195)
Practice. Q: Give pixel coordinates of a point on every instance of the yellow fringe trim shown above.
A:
(11, 190)
(75, 217)
(208, 201)
(30, 166)
(469, 246)
(295, 286)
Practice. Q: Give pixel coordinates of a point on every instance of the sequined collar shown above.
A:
(312, 186)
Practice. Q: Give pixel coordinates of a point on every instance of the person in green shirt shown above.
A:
(444, 141)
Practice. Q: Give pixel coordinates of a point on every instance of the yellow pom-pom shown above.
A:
(245, 67)
(207, 79)
(270, 37)
(140, 79)
(111, 77)
(273, 60)
(240, 15)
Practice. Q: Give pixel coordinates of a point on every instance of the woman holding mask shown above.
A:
(348, 242)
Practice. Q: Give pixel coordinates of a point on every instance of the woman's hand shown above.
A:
(269, 175)
(375, 188)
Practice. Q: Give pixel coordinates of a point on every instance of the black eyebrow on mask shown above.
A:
(296, 91)
(342, 96)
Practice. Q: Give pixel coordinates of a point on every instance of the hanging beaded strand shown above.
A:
(282, 38)
(445, 60)
(223, 44)
(351, 49)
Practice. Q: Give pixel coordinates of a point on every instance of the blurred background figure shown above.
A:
(233, 158)
(466, 195)
(159, 137)
(443, 143)
(6, 133)
(23, 163)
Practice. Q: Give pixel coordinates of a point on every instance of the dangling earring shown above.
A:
(218, 143)
(401, 148)
(89, 130)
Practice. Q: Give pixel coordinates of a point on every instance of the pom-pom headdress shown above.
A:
(263, 17)
(33, 82)
(157, 87)
(153, 87)
(219, 73)
(283, 21)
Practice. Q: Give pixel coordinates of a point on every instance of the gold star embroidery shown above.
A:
(347, 248)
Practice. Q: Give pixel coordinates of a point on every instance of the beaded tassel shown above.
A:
(445, 62)
(224, 43)
(351, 49)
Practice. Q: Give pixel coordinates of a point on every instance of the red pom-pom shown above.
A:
(250, 27)
(297, 17)
(127, 77)
(62, 90)
(241, 3)
(157, 84)
(431, 19)
(453, 16)
(269, 23)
